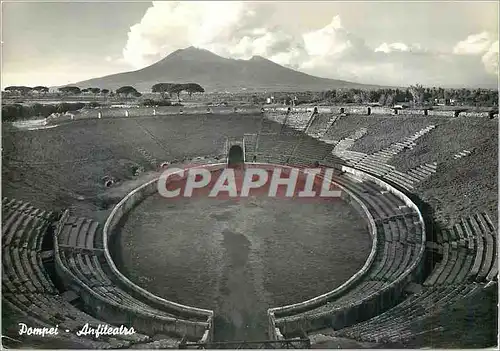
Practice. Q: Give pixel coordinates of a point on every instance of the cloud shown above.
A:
(474, 44)
(401, 47)
(490, 59)
(242, 30)
(484, 45)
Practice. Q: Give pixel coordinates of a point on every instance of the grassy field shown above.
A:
(462, 186)
(53, 167)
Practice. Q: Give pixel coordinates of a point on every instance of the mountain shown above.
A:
(216, 73)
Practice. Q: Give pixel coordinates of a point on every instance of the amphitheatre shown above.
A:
(407, 257)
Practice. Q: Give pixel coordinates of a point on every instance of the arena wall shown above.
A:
(130, 201)
(124, 206)
(371, 305)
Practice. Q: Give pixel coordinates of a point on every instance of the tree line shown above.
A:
(415, 95)
(162, 88)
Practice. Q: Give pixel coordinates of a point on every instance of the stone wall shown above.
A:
(356, 110)
(441, 113)
(475, 114)
(379, 110)
(408, 111)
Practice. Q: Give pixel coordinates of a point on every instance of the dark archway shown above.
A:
(456, 113)
(315, 110)
(342, 110)
(395, 111)
(369, 111)
(426, 112)
(235, 157)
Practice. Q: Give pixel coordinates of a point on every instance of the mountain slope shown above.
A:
(217, 73)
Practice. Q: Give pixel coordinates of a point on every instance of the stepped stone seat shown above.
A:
(489, 257)
(439, 268)
(459, 264)
(401, 321)
(404, 176)
(402, 183)
(15, 217)
(493, 274)
(452, 261)
(312, 149)
(369, 169)
(465, 270)
(395, 253)
(469, 252)
(24, 225)
(45, 281)
(89, 274)
(320, 124)
(79, 232)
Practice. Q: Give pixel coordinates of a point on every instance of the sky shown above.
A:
(449, 44)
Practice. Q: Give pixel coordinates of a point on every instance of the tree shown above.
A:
(41, 89)
(70, 90)
(161, 88)
(22, 90)
(95, 91)
(176, 89)
(417, 92)
(105, 93)
(126, 90)
(191, 88)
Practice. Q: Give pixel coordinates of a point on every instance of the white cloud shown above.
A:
(483, 44)
(241, 30)
(474, 44)
(401, 47)
(490, 59)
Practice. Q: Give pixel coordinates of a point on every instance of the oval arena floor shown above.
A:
(240, 259)
(245, 256)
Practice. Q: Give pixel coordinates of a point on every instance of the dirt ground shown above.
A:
(240, 258)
